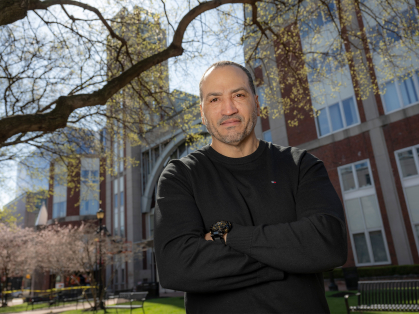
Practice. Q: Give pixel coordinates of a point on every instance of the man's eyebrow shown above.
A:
(239, 89)
(232, 92)
(213, 94)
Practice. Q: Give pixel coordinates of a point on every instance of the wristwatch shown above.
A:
(219, 229)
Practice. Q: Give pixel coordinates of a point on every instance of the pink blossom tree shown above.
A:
(17, 252)
(66, 250)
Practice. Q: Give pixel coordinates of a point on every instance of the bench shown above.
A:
(389, 296)
(131, 297)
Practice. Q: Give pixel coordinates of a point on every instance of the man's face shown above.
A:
(228, 109)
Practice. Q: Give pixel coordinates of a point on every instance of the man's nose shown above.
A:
(229, 107)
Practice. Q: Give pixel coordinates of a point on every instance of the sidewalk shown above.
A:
(60, 309)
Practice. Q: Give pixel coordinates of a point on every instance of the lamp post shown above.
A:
(100, 214)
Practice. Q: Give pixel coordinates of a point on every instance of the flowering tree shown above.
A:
(66, 250)
(17, 253)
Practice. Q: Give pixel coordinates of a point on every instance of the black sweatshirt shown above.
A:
(288, 227)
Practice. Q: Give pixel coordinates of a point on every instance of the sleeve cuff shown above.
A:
(240, 238)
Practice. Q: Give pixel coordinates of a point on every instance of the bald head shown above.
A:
(221, 64)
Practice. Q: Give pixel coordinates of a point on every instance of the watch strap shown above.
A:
(218, 238)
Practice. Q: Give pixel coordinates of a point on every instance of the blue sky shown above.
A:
(183, 75)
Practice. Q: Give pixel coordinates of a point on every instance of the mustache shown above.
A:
(230, 117)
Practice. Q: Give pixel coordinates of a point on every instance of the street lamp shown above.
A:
(100, 214)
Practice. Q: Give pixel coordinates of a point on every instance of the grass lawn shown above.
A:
(176, 306)
(21, 308)
(152, 306)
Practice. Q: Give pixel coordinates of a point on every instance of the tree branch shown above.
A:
(65, 105)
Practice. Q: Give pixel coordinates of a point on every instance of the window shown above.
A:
(59, 208)
(393, 29)
(267, 136)
(261, 95)
(363, 214)
(337, 116)
(115, 208)
(258, 60)
(115, 153)
(122, 272)
(401, 92)
(325, 64)
(121, 207)
(89, 186)
(408, 165)
(121, 155)
(320, 18)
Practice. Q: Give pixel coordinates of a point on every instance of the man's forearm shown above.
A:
(193, 264)
(314, 244)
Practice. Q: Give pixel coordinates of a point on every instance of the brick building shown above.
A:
(369, 146)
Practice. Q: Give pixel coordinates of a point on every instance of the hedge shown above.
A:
(378, 271)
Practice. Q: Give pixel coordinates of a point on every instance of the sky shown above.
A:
(184, 75)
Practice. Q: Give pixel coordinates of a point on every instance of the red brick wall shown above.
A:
(265, 123)
(347, 151)
(258, 72)
(304, 132)
(102, 187)
(50, 191)
(289, 63)
(371, 69)
(398, 135)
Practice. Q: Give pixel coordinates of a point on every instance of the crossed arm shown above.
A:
(187, 261)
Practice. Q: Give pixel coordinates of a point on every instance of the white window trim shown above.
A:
(399, 94)
(343, 117)
(409, 182)
(357, 194)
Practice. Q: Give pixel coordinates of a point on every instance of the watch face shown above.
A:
(221, 227)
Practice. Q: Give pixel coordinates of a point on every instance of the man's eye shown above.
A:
(239, 95)
(214, 99)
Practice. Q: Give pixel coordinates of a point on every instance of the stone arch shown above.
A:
(158, 167)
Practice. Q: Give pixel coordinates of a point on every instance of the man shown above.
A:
(276, 220)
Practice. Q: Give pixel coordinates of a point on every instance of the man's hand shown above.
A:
(208, 237)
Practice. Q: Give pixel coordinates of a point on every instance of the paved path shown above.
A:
(60, 309)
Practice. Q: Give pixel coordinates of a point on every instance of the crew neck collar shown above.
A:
(213, 154)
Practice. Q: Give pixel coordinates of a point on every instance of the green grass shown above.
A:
(176, 306)
(152, 306)
(22, 307)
